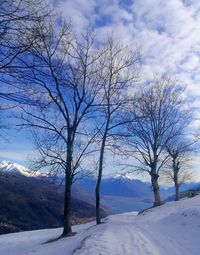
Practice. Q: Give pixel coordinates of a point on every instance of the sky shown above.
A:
(166, 32)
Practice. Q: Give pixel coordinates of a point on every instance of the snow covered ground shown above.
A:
(172, 229)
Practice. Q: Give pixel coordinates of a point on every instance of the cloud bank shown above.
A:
(168, 32)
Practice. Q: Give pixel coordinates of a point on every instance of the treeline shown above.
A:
(80, 98)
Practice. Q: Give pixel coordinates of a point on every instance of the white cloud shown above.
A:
(167, 31)
(81, 12)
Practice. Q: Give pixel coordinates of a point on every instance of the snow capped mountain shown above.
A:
(118, 185)
(9, 167)
(125, 176)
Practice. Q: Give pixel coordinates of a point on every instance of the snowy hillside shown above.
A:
(172, 229)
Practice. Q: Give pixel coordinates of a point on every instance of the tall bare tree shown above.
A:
(119, 73)
(156, 116)
(62, 86)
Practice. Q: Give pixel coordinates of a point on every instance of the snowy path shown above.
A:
(172, 229)
(118, 236)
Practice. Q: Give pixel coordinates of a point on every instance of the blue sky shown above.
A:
(167, 32)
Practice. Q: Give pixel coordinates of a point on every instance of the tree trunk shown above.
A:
(156, 189)
(97, 193)
(99, 177)
(177, 194)
(67, 229)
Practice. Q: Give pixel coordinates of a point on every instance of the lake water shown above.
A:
(125, 204)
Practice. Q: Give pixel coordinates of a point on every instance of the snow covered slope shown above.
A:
(172, 229)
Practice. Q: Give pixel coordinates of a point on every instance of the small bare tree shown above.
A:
(62, 86)
(156, 114)
(118, 75)
(177, 168)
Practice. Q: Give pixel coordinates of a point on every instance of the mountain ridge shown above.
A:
(119, 192)
(30, 202)
(12, 167)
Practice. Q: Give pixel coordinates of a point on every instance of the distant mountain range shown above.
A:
(119, 193)
(118, 186)
(124, 194)
(14, 168)
(29, 201)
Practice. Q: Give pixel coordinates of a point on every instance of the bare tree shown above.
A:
(62, 87)
(118, 75)
(17, 19)
(177, 168)
(156, 116)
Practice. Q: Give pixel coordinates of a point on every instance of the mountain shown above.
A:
(14, 168)
(19, 188)
(119, 193)
(28, 203)
(185, 190)
(118, 186)
(8, 167)
(185, 186)
(123, 193)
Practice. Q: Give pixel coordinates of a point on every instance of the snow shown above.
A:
(9, 167)
(171, 229)
(33, 242)
(125, 176)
